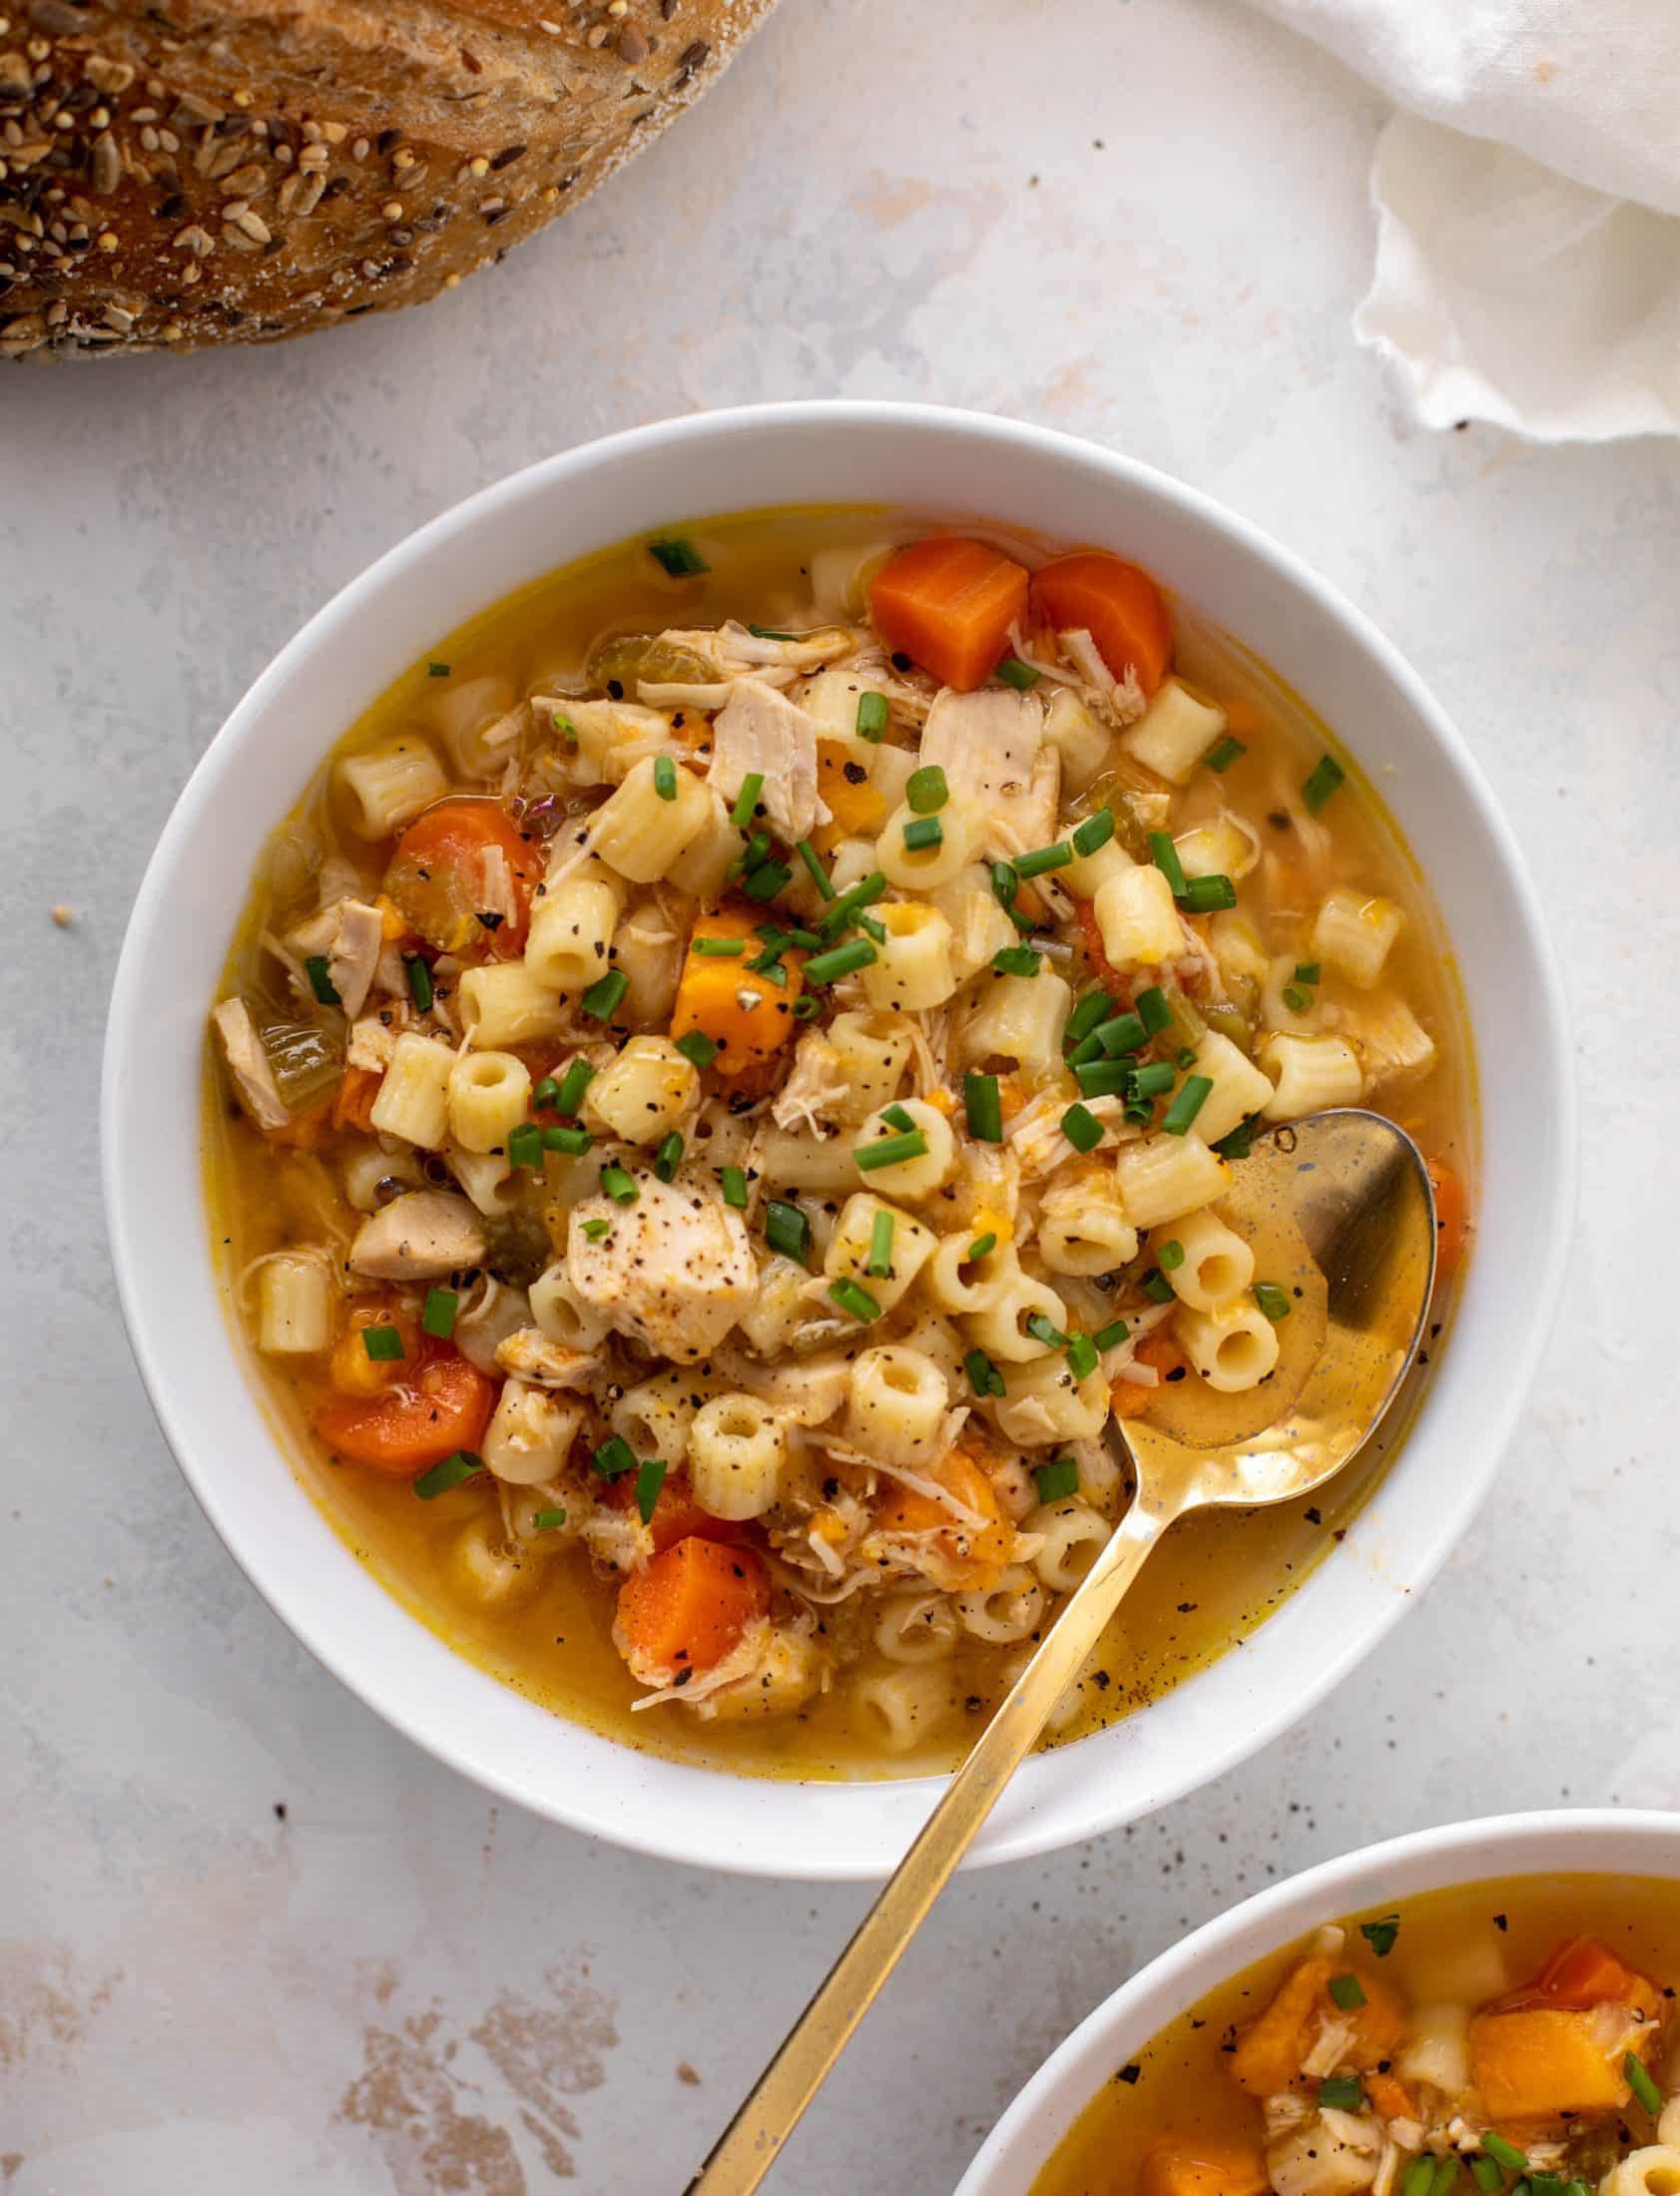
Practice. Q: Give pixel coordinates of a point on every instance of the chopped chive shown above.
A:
(1186, 1057)
(855, 1300)
(1112, 1335)
(1419, 2174)
(926, 831)
(1503, 2152)
(382, 1343)
(437, 671)
(1223, 752)
(1122, 1033)
(1140, 1111)
(650, 1477)
(1104, 1078)
(665, 777)
(548, 1520)
(1151, 1080)
(594, 1230)
(669, 1157)
(1205, 895)
(769, 879)
(1170, 1257)
(545, 1096)
(1484, 2172)
(889, 1151)
(601, 1001)
(1326, 776)
(1308, 971)
(619, 1186)
(1022, 677)
(1043, 858)
(1082, 1358)
(524, 1146)
(1057, 1479)
(677, 557)
(1153, 1009)
(870, 929)
(756, 850)
(567, 730)
(1081, 1128)
(1239, 1143)
(419, 982)
(806, 940)
(879, 1263)
(1043, 1328)
(1297, 1001)
(1156, 1286)
(872, 716)
(1381, 1936)
(1094, 1007)
(614, 1457)
(1346, 1990)
(696, 1048)
(771, 632)
(925, 790)
(573, 1084)
(899, 1117)
(1016, 960)
(1095, 832)
(573, 1142)
(844, 960)
(438, 1317)
(1165, 856)
(1272, 1300)
(320, 981)
(807, 1007)
(983, 1247)
(1087, 1049)
(813, 864)
(441, 1477)
(984, 1377)
(863, 893)
(1341, 2093)
(747, 800)
(1006, 883)
(788, 1230)
(1023, 923)
(718, 949)
(1640, 2082)
(1193, 1093)
(984, 1104)
(733, 1182)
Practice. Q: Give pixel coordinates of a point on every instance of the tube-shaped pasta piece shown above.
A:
(705, 861)
(503, 1004)
(1043, 1401)
(799, 1162)
(1019, 1018)
(413, 1098)
(655, 1415)
(562, 1314)
(962, 832)
(1237, 948)
(874, 1050)
(1165, 1177)
(979, 927)
(1138, 919)
(637, 834)
(1083, 1229)
(1218, 849)
(387, 786)
(957, 1282)
(464, 713)
(1436, 2048)
(833, 698)
(937, 1338)
(572, 927)
(1309, 1073)
(1232, 1349)
(1653, 2172)
(916, 1628)
(489, 1095)
(1086, 875)
(530, 1433)
(487, 1567)
(890, 775)
(1239, 1087)
(295, 1304)
(487, 1178)
(1217, 1265)
(1174, 733)
(1353, 932)
(916, 1177)
(779, 1309)
(369, 1168)
(1006, 1611)
(736, 1453)
(646, 1092)
(648, 954)
(1000, 1329)
(1073, 1536)
(914, 969)
(902, 1708)
(850, 1248)
(1081, 739)
(896, 1405)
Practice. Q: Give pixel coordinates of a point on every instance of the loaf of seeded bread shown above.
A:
(180, 173)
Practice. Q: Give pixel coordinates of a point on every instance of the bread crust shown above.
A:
(185, 173)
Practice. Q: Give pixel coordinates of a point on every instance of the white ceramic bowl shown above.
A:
(1601, 1841)
(936, 461)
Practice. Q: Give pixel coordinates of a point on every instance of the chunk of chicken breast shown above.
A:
(990, 746)
(247, 1064)
(420, 1235)
(354, 953)
(676, 1268)
(760, 731)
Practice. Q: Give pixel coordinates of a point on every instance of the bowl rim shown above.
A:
(1537, 1841)
(575, 1803)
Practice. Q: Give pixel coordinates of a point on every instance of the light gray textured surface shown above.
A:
(1144, 223)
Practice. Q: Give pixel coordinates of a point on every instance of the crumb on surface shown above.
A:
(64, 914)
(688, 2073)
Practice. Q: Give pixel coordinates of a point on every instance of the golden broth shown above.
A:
(1217, 1577)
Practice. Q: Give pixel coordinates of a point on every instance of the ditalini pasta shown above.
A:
(1515, 2036)
(718, 1107)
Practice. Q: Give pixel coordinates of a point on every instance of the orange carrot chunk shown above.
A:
(448, 871)
(1117, 602)
(749, 1016)
(1130, 1398)
(948, 604)
(1203, 2165)
(676, 1515)
(1269, 2050)
(689, 1608)
(1453, 1217)
(408, 1429)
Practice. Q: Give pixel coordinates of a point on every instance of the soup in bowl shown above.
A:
(725, 1074)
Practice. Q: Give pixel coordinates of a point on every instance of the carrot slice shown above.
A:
(444, 870)
(1130, 1398)
(1090, 936)
(676, 1515)
(1203, 2165)
(410, 1427)
(1453, 1217)
(855, 809)
(353, 1101)
(1117, 602)
(948, 604)
(1582, 1973)
(691, 1605)
(747, 1016)
(985, 1548)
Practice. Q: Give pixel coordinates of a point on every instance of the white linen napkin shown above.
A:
(1528, 206)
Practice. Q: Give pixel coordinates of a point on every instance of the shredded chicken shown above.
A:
(675, 1268)
(814, 1094)
(761, 733)
(371, 1043)
(420, 1235)
(1035, 1134)
(1122, 701)
(247, 1064)
(529, 1355)
(990, 745)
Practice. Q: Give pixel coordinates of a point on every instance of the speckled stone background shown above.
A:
(250, 1940)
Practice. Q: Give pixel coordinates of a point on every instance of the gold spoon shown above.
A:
(1339, 1211)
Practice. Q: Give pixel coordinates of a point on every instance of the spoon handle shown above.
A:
(749, 2146)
